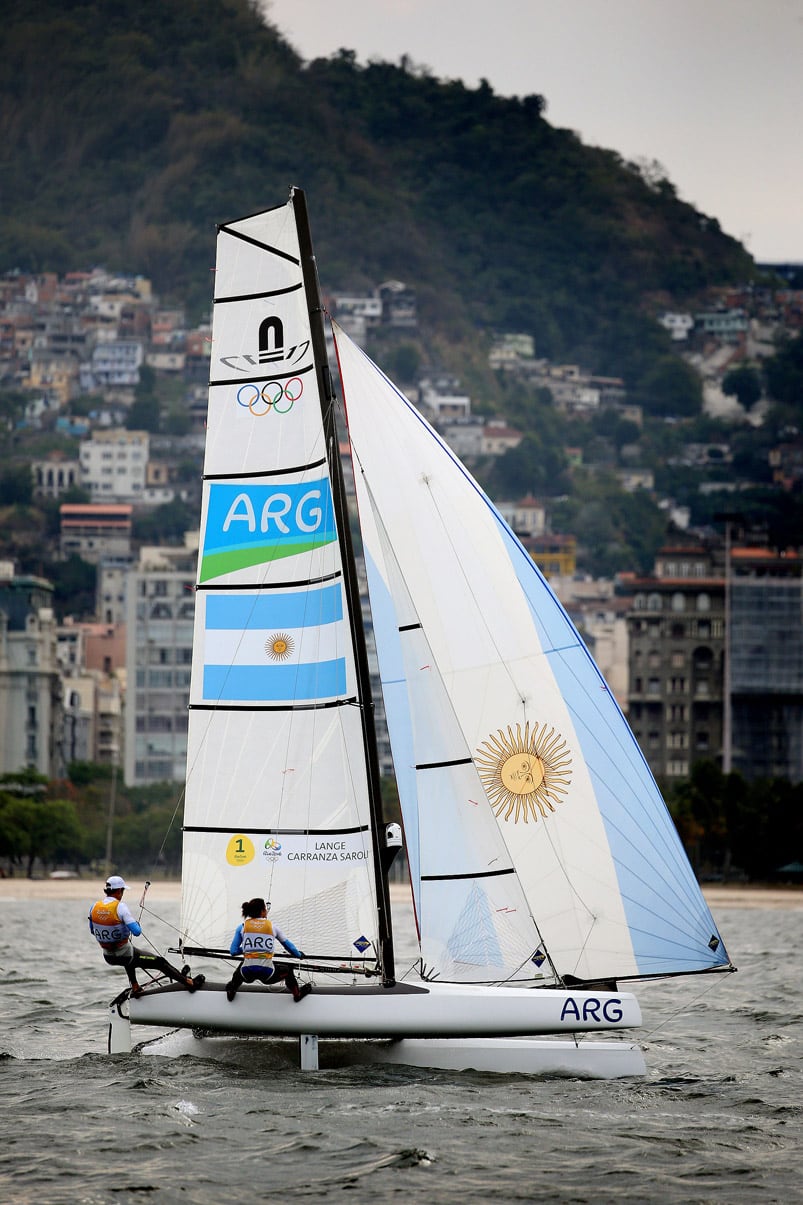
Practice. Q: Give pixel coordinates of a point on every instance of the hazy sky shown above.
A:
(712, 89)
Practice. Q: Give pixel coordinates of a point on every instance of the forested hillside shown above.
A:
(129, 130)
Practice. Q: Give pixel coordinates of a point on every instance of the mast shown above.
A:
(327, 396)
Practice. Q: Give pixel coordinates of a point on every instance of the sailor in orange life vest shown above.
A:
(255, 939)
(112, 925)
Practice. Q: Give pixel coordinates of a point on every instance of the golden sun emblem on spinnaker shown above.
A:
(279, 646)
(524, 774)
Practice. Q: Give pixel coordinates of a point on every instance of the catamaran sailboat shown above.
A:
(545, 868)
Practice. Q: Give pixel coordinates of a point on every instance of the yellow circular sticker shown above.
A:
(239, 850)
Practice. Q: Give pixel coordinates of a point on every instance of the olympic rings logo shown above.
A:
(261, 401)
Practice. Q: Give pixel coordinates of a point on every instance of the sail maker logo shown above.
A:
(249, 525)
(524, 775)
(270, 350)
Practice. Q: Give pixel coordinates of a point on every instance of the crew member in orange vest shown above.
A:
(255, 939)
(113, 926)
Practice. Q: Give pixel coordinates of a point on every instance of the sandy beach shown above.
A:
(718, 895)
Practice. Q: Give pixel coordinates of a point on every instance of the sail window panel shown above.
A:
(254, 770)
(323, 906)
(472, 932)
(458, 833)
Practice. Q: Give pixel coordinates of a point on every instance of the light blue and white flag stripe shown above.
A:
(242, 661)
(226, 646)
(267, 609)
(275, 683)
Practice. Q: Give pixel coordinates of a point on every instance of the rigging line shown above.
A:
(575, 894)
(336, 573)
(169, 924)
(680, 1008)
(170, 824)
(532, 978)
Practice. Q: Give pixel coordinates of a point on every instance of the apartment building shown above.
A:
(160, 607)
(31, 702)
(676, 649)
(765, 648)
(95, 532)
(114, 465)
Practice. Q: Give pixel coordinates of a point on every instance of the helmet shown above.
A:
(115, 883)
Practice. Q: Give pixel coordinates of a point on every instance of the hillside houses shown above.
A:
(392, 304)
(573, 391)
(85, 332)
(76, 351)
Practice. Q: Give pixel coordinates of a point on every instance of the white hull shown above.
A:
(577, 1058)
(515, 1056)
(435, 1010)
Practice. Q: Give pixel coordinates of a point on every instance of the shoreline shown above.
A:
(717, 895)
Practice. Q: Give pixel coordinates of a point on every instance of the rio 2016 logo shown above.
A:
(272, 850)
(273, 396)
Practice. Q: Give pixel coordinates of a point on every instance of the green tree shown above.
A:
(671, 388)
(166, 523)
(74, 585)
(12, 406)
(537, 465)
(783, 372)
(699, 807)
(44, 830)
(144, 414)
(743, 383)
(404, 363)
(16, 485)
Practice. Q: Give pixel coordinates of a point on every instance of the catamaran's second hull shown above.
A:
(436, 1010)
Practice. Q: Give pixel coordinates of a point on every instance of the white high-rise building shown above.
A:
(160, 608)
(113, 465)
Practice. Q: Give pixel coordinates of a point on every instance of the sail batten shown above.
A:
(468, 874)
(295, 832)
(257, 296)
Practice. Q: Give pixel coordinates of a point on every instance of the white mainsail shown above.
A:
(529, 810)
(277, 798)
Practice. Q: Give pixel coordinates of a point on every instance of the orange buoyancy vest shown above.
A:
(258, 942)
(111, 932)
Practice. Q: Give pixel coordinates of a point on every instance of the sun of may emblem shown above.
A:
(279, 647)
(524, 774)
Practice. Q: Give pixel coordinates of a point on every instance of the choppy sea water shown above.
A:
(717, 1119)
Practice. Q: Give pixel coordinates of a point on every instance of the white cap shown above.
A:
(115, 883)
